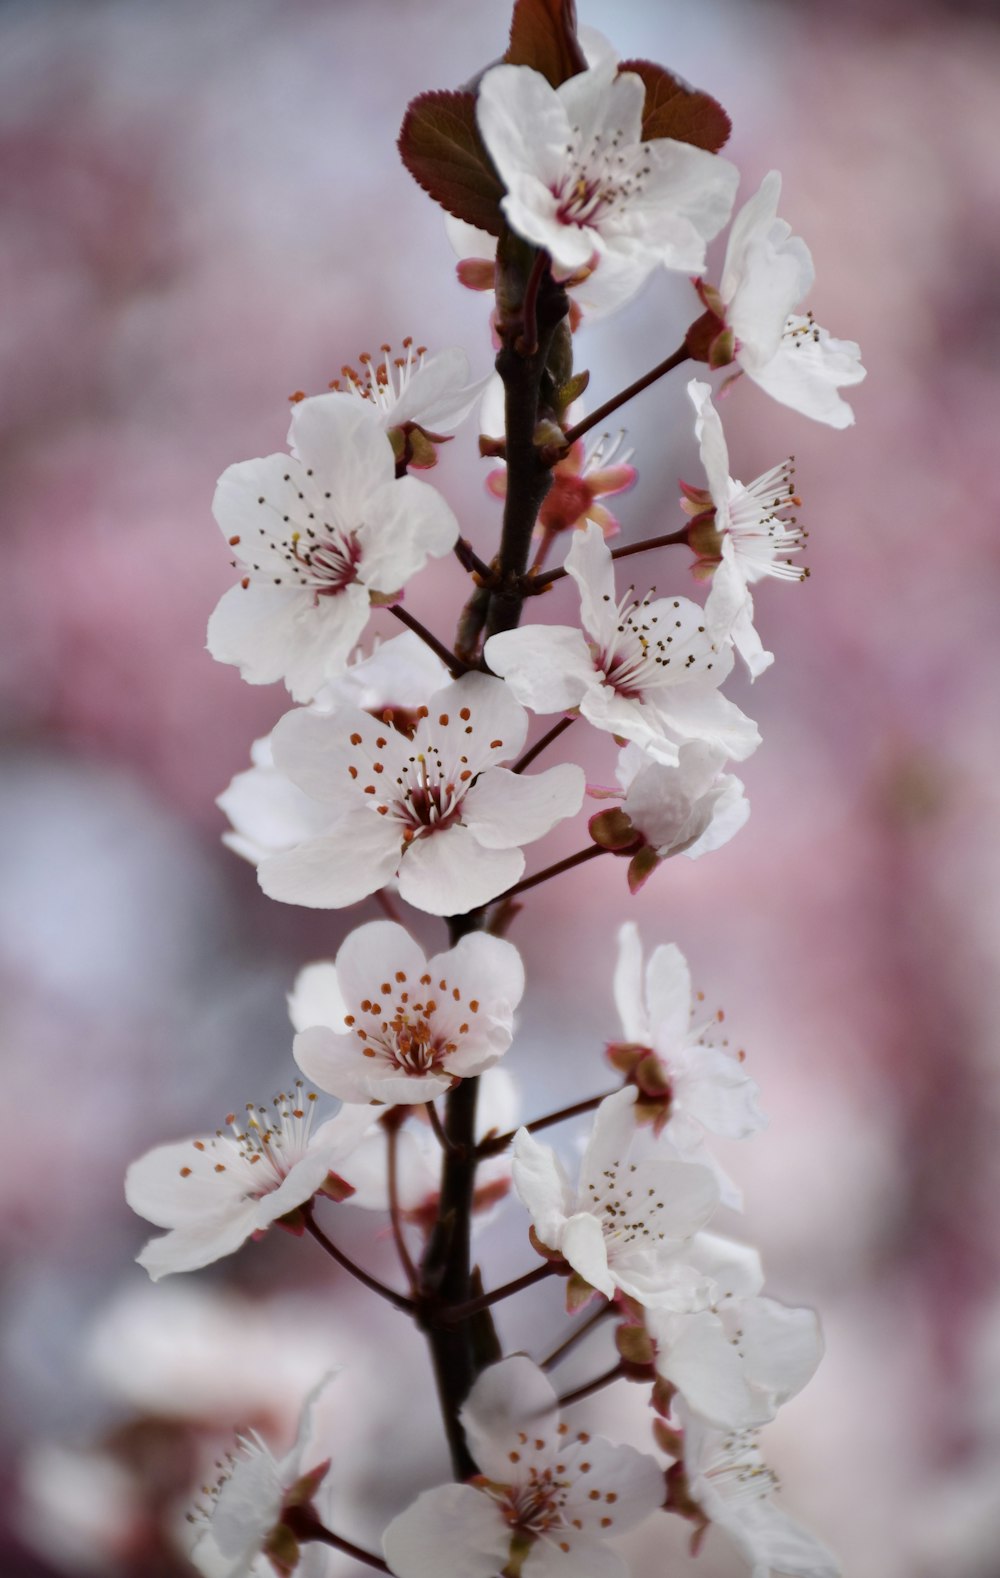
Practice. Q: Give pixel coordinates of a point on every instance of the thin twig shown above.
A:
(539, 745)
(679, 356)
(454, 664)
(580, 1392)
(671, 539)
(434, 1119)
(454, 1313)
(469, 559)
(399, 1301)
(392, 1184)
(500, 1143)
(308, 1529)
(576, 1335)
(560, 866)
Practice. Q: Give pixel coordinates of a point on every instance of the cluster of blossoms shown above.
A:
(404, 773)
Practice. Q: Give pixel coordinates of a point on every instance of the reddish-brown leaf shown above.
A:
(543, 36)
(672, 109)
(441, 147)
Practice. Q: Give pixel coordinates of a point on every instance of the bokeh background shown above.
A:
(202, 211)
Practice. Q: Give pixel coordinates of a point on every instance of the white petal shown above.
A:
(633, 1478)
(735, 1268)
(406, 522)
(342, 442)
(700, 712)
(668, 997)
(452, 1532)
(523, 123)
(709, 1373)
(584, 1247)
(610, 1137)
(628, 992)
(508, 1398)
(279, 632)
(485, 968)
(567, 1554)
(316, 998)
(439, 395)
(712, 444)
(200, 1244)
(782, 1346)
(806, 374)
(178, 1183)
(548, 667)
(542, 1187)
(331, 872)
(505, 809)
(450, 872)
(591, 566)
(372, 954)
(268, 812)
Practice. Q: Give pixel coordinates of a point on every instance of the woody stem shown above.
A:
(679, 356)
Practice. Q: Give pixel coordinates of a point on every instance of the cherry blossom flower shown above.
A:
(318, 535)
(686, 1083)
(741, 532)
(547, 1498)
(649, 672)
(582, 184)
(432, 393)
(738, 1359)
(626, 1222)
(267, 811)
(246, 1511)
(689, 809)
(766, 274)
(409, 1027)
(583, 477)
(437, 808)
(215, 1192)
(722, 1479)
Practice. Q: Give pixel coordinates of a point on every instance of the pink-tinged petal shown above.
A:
(768, 1538)
(198, 1244)
(467, 241)
(736, 1269)
(508, 1398)
(604, 519)
(496, 483)
(729, 813)
(450, 872)
(498, 724)
(332, 872)
(316, 998)
(718, 1092)
(612, 479)
(668, 996)
(506, 809)
(452, 1532)
(313, 749)
(603, 102)
(273, 633)
(628, 992)
(584, 1247)
(372, 954)
(484, 969)
(548, 667)
(633, 1480)
(268, 813)
(689, 1194)
(337, 1064)
(342, 442)
(542, 1187)
(781, 1346)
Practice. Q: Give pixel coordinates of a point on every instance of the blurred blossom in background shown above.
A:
(202, 212)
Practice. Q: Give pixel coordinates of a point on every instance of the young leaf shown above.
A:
(543, 36)
(440, 145)
(673, 109)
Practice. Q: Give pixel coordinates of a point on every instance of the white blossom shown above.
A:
(407, 1027)
(737, 1359)
(547, 1498)
(583, 184)
(645, 669)
(436, 808)
(434, 393)
(267, 811)
(242, 1518)
(767, 272)
(318, 535)
(741, 530)
(690, 809)
(725, 1476)
(214, 1192)
(626, 1222)
(686, 1081)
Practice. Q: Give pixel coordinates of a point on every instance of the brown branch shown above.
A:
(395, 1218)
(399, 1301)
(540, 745)
(462, 1312)
(679, 356)
(539, 583)
(560, 866)
(575, 1336)
(500, 1143)
(308, 1529)
(454, 664)
(580, 1392)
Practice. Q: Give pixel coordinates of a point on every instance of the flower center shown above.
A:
(404, 1027)
(637, 656)
(627, 1214)
(533, 1508)
(325, 563)
(381, 383)
(273, 1142)
(738, 1470)
(600, 178)
(761, 528)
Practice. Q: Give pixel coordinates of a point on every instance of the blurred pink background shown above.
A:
(202, 212)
